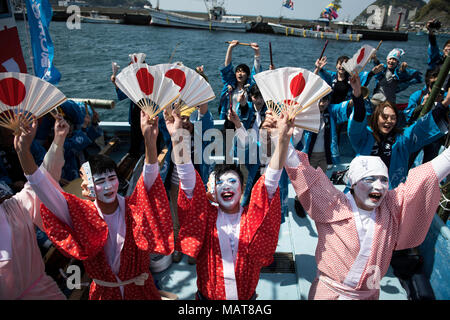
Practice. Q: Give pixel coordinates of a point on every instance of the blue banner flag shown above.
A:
(39, 13)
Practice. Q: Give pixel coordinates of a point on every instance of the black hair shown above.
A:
(446, 43)
(244, 68)
(100, 163)
(431, 73)
(342, 59)
(220, 169)
(254, 91)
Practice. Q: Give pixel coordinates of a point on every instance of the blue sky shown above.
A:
(303, 9)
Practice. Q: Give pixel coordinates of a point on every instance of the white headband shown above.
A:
(365, 166)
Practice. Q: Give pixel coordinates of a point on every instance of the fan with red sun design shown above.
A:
(147, 87)
(194, 89)
(24, 94)
(359, 59)
(295, 91)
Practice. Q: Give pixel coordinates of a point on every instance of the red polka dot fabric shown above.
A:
(148, 230)
(258, 238)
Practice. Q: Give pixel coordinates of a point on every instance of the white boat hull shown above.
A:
(298, 32)
(97, 20)
(163, 18)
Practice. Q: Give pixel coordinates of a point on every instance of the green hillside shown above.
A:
(439, 9)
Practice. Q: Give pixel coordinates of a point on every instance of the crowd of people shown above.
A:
(226, 216)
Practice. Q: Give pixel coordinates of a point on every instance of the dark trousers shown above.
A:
(136, 137)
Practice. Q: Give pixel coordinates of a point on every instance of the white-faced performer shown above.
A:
(22, 271)
(358, 231)
(230, 243)
(112, 235)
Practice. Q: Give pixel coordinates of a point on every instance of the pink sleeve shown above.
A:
(317, 193)
(417, 199)
(28, 198)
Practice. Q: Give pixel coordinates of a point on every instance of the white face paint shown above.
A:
(228, 190)
(369, 192)
(106, 186)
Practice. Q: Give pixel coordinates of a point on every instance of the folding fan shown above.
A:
(359, 59)
(295, 91)
(137, 57)
(21, 93)
(147, 87)
(194, 89)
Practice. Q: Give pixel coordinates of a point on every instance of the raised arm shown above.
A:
(48, 193)
(229, 54)
(149, 128)
(181, 151)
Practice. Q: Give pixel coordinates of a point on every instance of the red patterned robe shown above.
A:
(148, 230)
(402, 221)
(258, 238)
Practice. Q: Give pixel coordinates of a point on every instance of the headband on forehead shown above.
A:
(5, 190)
(365, 166)
(396, 53)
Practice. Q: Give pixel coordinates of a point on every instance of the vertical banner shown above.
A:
(39, 14)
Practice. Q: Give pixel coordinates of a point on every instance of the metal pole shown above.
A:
(28, 38)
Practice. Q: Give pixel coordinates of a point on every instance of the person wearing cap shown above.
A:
(392, 77)
(234, 81)
(22, 270)
(112, 235)
(358, 231)
(380, 135)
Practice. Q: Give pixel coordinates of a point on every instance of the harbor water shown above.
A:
(84, 56)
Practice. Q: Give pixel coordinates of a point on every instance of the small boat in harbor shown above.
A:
(217, 19)
(305, 33)
(95, 17)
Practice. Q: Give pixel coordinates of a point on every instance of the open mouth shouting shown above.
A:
(227, 195)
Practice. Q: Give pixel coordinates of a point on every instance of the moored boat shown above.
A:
(218, 20)
(305, 33)
(95, 17)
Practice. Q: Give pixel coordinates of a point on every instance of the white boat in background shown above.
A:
(217, 19)
(305, 33)
(95, 17)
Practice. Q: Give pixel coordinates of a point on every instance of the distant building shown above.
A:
(380, 17)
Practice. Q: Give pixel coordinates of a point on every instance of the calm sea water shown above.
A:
(84, 56)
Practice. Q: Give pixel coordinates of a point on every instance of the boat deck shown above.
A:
(298, 236)
(290, 277)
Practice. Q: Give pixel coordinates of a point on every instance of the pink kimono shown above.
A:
(401, 221)
(22, 276)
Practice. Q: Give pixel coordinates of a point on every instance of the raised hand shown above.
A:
(61, 130)
(355, 82)
(149, 127)
(378, 68)
(320, 63)
(233, 43)
(403, 66)
(24, 139)
(255, 47)
(233, 117)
